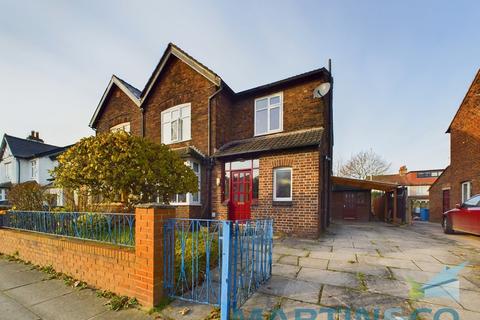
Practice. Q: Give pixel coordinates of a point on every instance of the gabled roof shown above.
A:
(289, 80)
(26, 148)
(138, 97)
(477, 78)
(278, 141)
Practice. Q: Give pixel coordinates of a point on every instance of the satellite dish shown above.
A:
(321, 90)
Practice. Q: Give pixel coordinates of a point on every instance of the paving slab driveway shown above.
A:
(370, 266)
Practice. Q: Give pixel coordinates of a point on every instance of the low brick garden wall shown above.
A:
(101, 265)
(134, 272)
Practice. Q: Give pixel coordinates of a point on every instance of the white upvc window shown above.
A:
(125, 126)
(8, 170)
(189, 198)
(3, 195)
(282, 184)
(176, 124)
(466, 190)
(269, 114)
(34, 169)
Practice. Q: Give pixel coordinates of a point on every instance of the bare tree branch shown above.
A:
(364, 164)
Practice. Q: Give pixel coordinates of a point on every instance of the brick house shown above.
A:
(461, 179)
(262, 152)
(417, 184)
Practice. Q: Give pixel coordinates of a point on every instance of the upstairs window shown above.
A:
(125, 126)
(466, 190)
(34, 169)
(269, 114)
(8, 168)
(176, 124)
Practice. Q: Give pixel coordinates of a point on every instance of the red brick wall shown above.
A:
(179, 84)
(301, 217)
(100, 265)
(464, 153)
(300, 109)
(132, 272)
(119, 109)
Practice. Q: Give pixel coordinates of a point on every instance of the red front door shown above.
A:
(350, 205)
(241, 194)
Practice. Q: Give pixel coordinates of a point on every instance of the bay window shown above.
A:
(125, 126)
(269, 114)
(282, 184)
(176, 124)
(189, 198)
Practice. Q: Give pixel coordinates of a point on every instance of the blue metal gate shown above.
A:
(221, 263)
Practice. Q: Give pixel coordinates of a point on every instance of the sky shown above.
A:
(401, 68)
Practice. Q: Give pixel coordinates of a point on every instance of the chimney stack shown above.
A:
(403, 170)
(35, 136)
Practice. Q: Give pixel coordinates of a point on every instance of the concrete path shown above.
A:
(359, 266)
(369, 266)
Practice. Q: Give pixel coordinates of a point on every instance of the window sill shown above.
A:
(186, 204)
(282, 203)
(267, 133)
(175, 142)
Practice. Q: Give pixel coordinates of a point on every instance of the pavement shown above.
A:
(361, 266)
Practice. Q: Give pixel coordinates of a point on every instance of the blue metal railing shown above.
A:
(116, 228)
(221, 263)
(251, 258)
(192, 260)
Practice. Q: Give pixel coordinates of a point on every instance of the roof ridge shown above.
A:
(30, 140)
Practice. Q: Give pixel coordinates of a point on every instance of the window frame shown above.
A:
(7, 168)
(282, 199)
(121, 127)
(34, 164)
(280, 129)
(254, 165)
(189, 196)
(469, 190)
(179, 127)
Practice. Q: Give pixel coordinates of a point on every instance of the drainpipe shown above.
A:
(209, 160)
(18, 170)
(143, 122)
(330, 111)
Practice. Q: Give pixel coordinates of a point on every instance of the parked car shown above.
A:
(464, 218)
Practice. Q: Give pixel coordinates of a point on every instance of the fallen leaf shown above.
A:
(184, 311)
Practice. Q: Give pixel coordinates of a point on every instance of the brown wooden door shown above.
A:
(241, 194)
(349, 205)
(446, 200)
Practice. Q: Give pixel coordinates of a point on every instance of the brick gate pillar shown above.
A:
(149, 222)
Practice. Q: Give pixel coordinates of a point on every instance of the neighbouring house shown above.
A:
(461, 179)
(262, 152)
(29, 159)
(417, 182)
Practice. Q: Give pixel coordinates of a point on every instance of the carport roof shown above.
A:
(364, 184)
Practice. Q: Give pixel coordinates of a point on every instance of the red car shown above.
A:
(464, 218)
